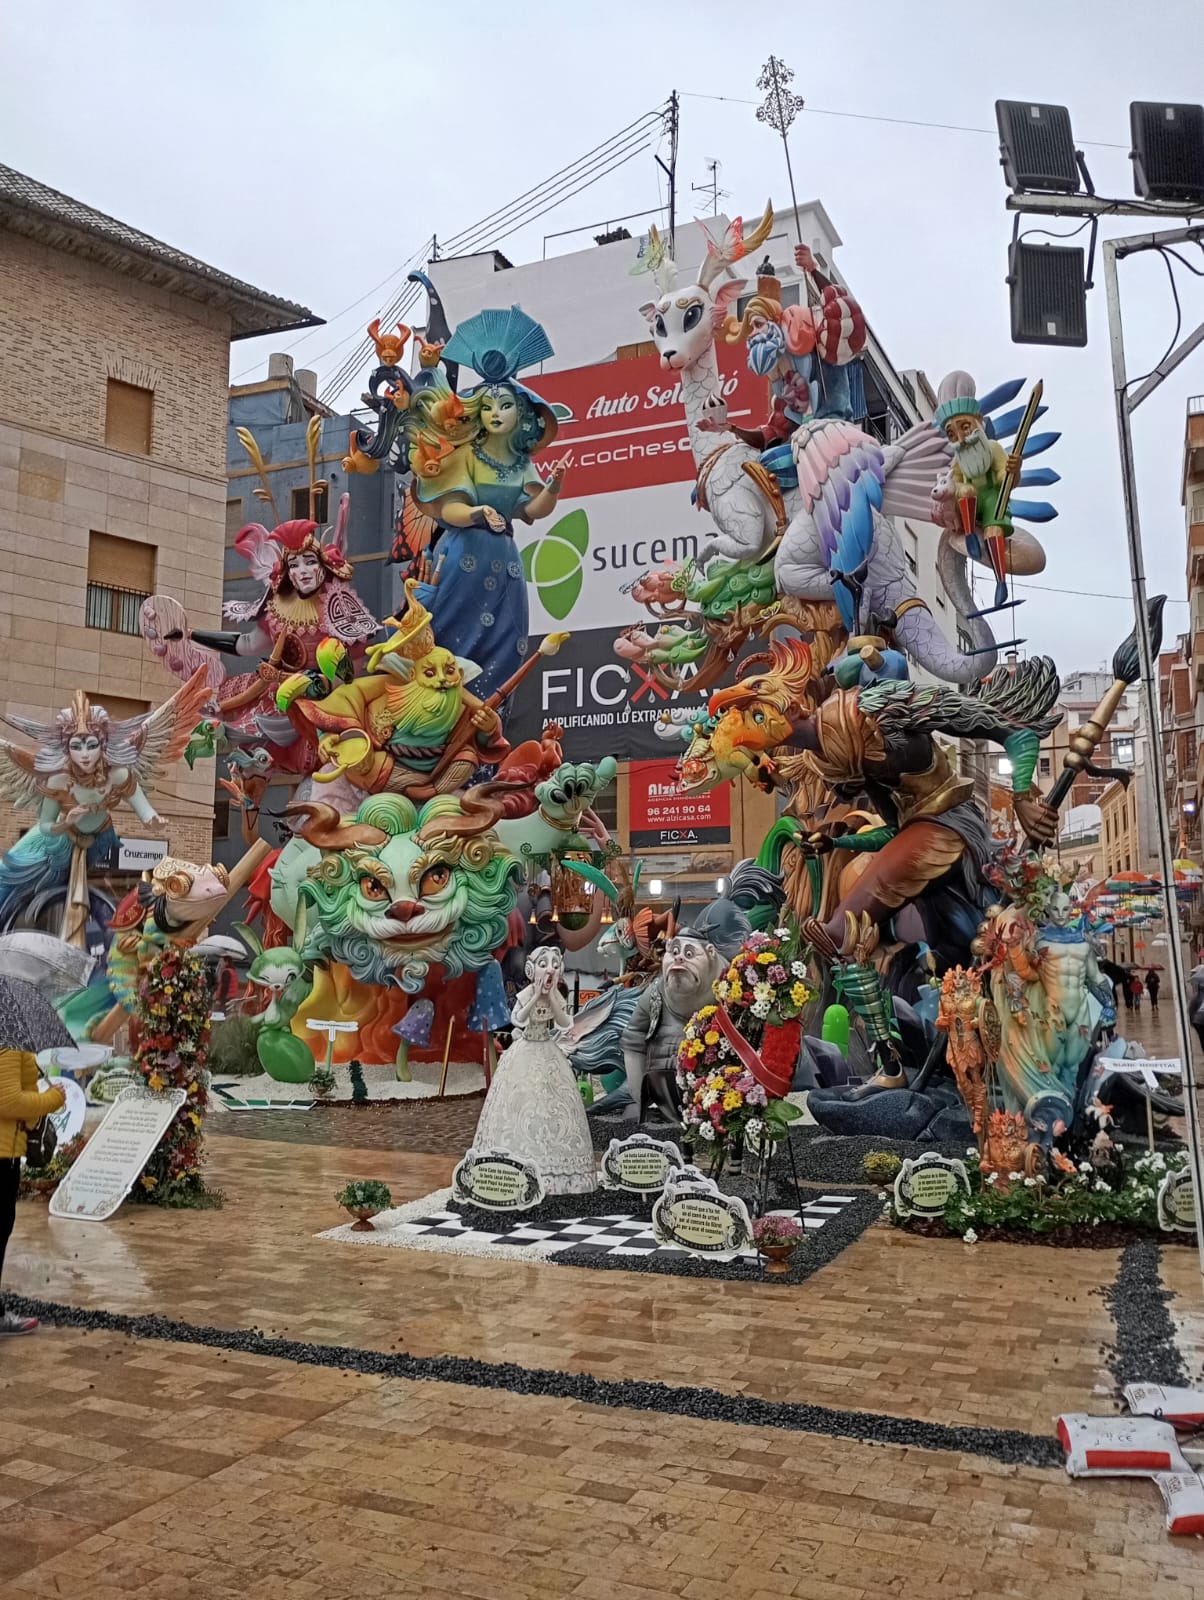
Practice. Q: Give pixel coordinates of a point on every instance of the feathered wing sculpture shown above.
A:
(845, 478)
(256, 546)
(149, 743)
(1003, 706)
(17, 774)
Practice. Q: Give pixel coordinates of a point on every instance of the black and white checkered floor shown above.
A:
(619, 1233)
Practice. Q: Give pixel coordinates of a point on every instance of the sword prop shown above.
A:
(547, 647)
(1012, 476)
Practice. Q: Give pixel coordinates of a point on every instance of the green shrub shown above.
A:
(232, 1051)
(365, 1194)
(880, 1166)
(359, 1089)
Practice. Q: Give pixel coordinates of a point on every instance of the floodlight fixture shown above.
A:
(1049, 294)
(1036, 148)
(1168, 151)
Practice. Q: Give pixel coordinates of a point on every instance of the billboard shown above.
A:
(625, 510)
(661, 816)
(626, 506)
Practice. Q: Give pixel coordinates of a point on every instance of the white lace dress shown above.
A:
(534, 1109)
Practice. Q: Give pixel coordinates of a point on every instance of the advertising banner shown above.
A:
(661, 816)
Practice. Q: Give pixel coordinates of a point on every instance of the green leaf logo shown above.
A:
(552, 562)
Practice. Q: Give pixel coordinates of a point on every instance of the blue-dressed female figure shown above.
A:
(471, 457)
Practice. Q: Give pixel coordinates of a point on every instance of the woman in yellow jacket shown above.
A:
(20, 1106)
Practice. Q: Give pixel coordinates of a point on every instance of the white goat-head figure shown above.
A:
(684, 321)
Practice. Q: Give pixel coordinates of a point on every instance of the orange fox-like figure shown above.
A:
(389, 346)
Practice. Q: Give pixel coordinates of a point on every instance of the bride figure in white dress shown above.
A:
(534, 1109)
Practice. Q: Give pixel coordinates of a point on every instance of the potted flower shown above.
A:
(365, 1198)
(881, 1167)
(322, 1082)
(777, 1238)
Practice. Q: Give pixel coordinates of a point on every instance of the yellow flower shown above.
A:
(708, 1011)
(799, 993)
(732, 1100)
(148, 1182)
(155, 1082)
(766, 958)
(715, 1082)
(710, 1036)
(194, 1118)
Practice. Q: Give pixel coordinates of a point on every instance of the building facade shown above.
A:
(112, 466)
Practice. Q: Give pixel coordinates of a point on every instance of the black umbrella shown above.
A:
(28, 1021)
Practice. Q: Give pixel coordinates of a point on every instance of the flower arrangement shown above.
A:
(1082, 1199)
(173, 1035)
(776, 1229)
(44, 1180)
(881, 1166)
(760, 999)
(364, 1198)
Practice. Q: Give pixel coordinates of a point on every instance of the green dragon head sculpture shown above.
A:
(398, 887)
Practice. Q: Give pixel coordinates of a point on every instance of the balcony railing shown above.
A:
(112, 610)
(1195, 406)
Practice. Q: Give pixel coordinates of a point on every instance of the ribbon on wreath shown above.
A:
(775, 1076)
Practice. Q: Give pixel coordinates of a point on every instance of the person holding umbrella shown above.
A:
(1153, 983)
(28, 1023)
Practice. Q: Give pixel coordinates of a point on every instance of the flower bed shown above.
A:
(1087, 1207)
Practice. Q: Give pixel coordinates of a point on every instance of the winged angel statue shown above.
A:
(85, 764)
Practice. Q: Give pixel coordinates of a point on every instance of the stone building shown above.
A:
(113, 396)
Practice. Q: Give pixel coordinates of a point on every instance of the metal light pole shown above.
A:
(1115, 250)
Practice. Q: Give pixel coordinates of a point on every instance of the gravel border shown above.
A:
(1010, 1446)
(1146, 1348)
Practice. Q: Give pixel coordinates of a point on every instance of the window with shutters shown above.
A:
(121, 575)
(129, 417)
(300, 505)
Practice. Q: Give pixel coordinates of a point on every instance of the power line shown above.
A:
(1088, 594)
(570, 180)
(904, 122)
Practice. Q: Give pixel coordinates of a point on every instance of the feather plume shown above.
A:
(247, 439)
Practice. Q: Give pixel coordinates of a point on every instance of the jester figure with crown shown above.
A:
(307, 618)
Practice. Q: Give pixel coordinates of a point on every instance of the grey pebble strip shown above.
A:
(1006, 1445)
(1146, 1348)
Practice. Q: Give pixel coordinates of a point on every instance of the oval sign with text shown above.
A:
(927, 1183)
(1177, 1203)
(703, 1221)
(495, 1180)
(640, 1164)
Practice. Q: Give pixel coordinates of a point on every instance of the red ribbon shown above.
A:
(773, 1083)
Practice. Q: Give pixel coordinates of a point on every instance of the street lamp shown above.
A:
(1168, 157)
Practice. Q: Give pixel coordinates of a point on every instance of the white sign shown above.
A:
(1147, 1070)
(496, 1180)
(116, 1154)
(697, 1217)
(1177, 1203)
(331, 1028)
(927, 1183)
(139, 855)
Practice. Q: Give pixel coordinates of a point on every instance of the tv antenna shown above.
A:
(712, 188)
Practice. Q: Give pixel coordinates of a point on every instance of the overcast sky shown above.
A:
(310, 148)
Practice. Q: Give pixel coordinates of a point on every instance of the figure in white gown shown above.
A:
(533, 1109)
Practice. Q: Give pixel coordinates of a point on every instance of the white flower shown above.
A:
(1085, 1166)
(798, 969)
(1015, 1177)
(1118, 1147)
(705, 1130)
(969, 1237)
(760, 1009)
(782, 933)
(972, 1150)
(762, 991)
(992, 1177)
(1095, 1222)
(709, 1099)
(1030, 1183)
(753, 1129)
(1101, 1186)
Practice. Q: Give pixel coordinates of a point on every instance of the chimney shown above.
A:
(280, 365)
(307, 382)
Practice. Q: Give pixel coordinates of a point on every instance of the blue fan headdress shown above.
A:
(499, 344)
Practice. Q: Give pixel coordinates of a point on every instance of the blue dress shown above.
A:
(478, 604)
